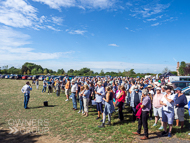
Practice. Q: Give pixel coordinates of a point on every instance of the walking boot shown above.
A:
(102, 125)
(108, 123)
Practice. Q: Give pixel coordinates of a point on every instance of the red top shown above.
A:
(122, 98)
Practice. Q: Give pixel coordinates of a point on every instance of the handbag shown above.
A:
(117, 104)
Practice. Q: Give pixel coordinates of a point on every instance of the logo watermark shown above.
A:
(32, 126)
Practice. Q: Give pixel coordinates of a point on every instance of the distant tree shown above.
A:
(24, 69)
(131, 72)
(182, 68)
(34, 71)
(45, 71)
(24, 73)
(40, 71)
(187, 70)
(96, 73)
(174, 72)
(165, 70)
(102, 73)
(60, 71)
(70, 71)
(28, 72)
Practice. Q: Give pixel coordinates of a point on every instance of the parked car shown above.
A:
(186, 91)
(7, 76)
(3, 76)
(12, 76)
(29, 77)
(24, 77)
(35, 77)
(181, 84)
(59, 77)
(41, 77)
(18, 77)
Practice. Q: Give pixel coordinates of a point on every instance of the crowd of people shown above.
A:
(144, 96)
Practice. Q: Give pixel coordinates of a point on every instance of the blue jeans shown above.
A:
(26, 100)
(81, 104)
(74, 100)
(44, 89)
(134, 113)
(57, 92)
(128, 98)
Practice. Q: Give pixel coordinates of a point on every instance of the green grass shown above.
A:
(63, 121)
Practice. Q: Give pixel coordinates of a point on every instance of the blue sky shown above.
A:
(99, 34)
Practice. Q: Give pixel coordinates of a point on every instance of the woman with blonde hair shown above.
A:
(81, 100)
(86, 94)
(109, 108)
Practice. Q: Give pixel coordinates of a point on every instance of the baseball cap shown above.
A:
(158, 88)
(178, 88)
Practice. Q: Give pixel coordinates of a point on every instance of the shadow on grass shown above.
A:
(43, 106)
(5, 137)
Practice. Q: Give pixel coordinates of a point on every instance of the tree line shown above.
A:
(33, 69)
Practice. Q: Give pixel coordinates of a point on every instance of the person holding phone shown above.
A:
(26, 90)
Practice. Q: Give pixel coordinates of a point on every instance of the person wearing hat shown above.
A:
(168, 110)
(26, 90)
(135, 100)
(146, 106)
(99, 94)
(157, 107)
(74, 91)
(179, 102)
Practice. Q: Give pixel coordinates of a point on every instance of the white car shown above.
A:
(186, 91)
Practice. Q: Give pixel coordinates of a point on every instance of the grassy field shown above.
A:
(63, 121)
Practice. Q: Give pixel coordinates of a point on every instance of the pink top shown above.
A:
(156, 100)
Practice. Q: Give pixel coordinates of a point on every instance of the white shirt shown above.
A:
(74, 88)
(170, 106)
(151, 92)
(132, 88)
(26, 89)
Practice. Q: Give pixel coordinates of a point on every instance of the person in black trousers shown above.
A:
(146, 106)
(121, 100)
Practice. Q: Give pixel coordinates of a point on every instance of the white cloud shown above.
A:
(149, 10)
(80, 32)
(154, 19)
(52, 28)
(57, 20)
(114, 45)
(57, 4)
(17, 13)
(102, 4)
(156, 24)
(129, 4)
(14, 47)
(9, 37)
(126, 28)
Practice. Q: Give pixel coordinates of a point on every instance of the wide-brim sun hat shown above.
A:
(99, 83)
(72, 81)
